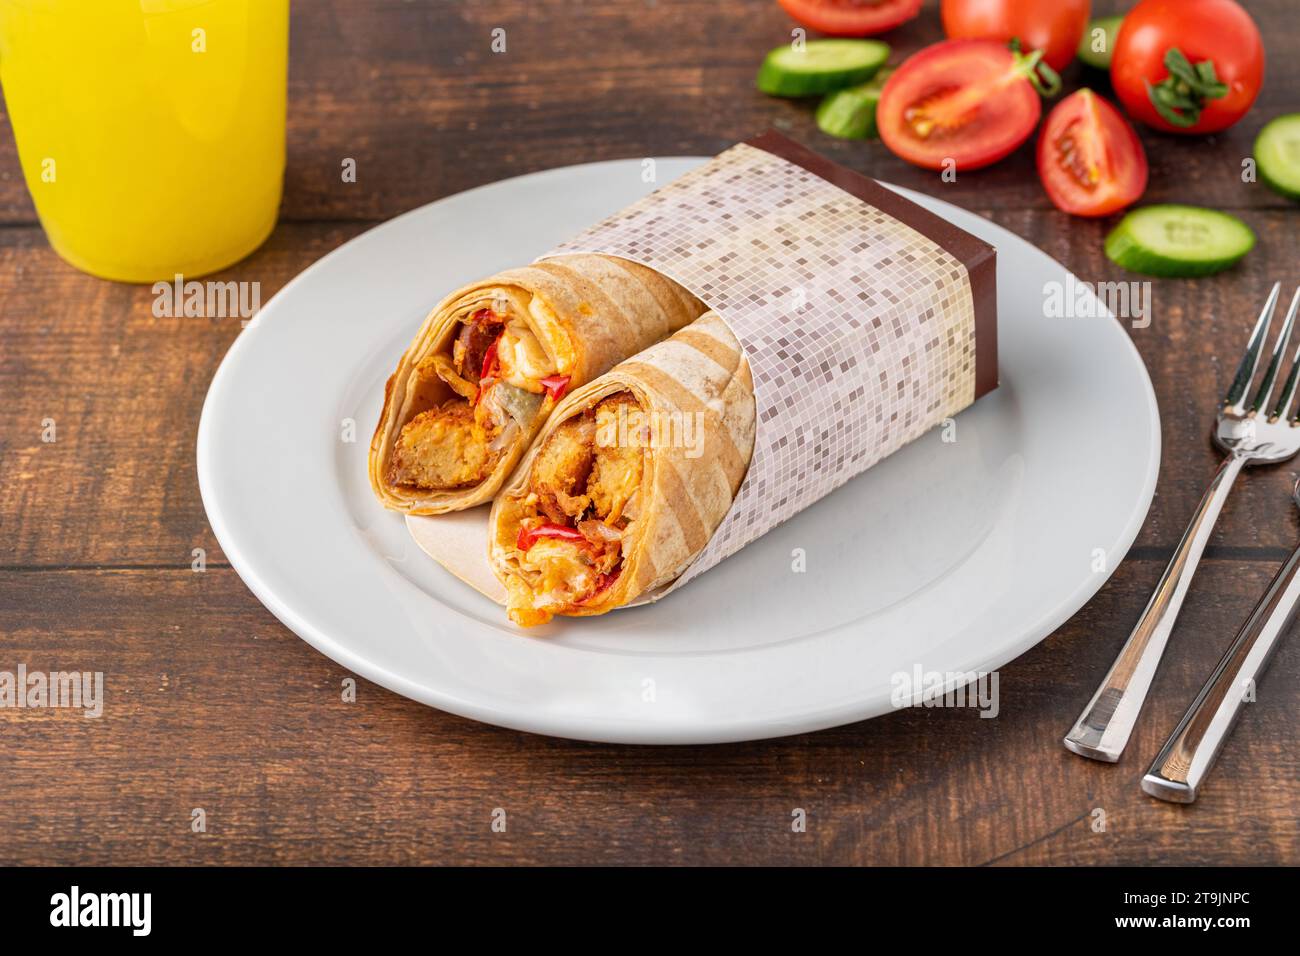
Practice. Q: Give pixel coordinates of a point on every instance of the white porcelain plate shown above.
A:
(954, 556)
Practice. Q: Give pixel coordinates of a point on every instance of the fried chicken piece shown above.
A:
(562, 468)
(623, 434)
(441, 449)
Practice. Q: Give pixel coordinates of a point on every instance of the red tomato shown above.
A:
(967, 101)
(1219, 31)
(1090, 159)
(1053, 26)
(851, 18)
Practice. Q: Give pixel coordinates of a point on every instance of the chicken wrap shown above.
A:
(491, 362)
(628, 480)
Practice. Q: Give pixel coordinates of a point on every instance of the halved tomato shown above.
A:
(851, 18)
(962, 102)
(1090, 159)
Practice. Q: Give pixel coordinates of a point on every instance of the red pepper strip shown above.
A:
(556, 386)
(485, 314)
(529, 536)
(603, 584)
(490, 361)
(490, 358)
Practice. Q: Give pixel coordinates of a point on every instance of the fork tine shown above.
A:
(1254, 349)
(1275, 363)
(1288, 390)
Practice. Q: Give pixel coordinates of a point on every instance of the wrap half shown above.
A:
(492, 360)
(629, 478)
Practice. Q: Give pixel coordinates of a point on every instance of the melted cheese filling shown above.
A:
(562, 576)
(523, 361)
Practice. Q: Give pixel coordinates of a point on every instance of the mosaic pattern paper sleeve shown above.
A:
(860, 330)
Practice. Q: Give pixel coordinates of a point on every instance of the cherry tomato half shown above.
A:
(1218, 31)
(1090, 159)
(1053, 26)
(963, 101)
(851, 18)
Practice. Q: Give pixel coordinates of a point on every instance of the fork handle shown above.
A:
(1106, 723)
(1186, 758)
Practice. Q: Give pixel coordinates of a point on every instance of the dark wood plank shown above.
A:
(413, 93)
(124, 388)
(210, 703)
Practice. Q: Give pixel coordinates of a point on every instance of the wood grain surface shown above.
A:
(213, 704)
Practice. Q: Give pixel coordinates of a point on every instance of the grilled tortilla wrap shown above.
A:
(629, 479)
(490, 363)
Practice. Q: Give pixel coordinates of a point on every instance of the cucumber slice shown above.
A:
(1277, 151)
(820, 66)
(1099, 59)
(1178, 241)
(851, 113)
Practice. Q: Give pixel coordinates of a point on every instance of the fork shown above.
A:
(1186, 758)
(1105, 725)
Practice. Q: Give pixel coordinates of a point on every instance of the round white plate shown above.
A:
(951, 556)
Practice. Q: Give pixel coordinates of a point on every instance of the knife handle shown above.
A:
(1186, 758)
(1104, 727)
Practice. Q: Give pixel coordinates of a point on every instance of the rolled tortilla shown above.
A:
(628, 480)
(490, 363)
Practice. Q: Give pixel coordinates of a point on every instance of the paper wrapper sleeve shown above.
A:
(866, 319)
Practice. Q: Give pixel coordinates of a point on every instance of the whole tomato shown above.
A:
(1187, 66)
(851, 18)
(1053, 26)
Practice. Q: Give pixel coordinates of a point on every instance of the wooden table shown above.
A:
(212, 704)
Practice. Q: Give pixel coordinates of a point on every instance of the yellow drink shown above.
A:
(151, 132)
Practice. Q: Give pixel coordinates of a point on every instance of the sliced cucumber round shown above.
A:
(820, 66)
(1277, 153)
(1105, 39)
(1178, 241)
(851, 113)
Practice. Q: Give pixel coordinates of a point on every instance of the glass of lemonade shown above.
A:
(151, 132)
